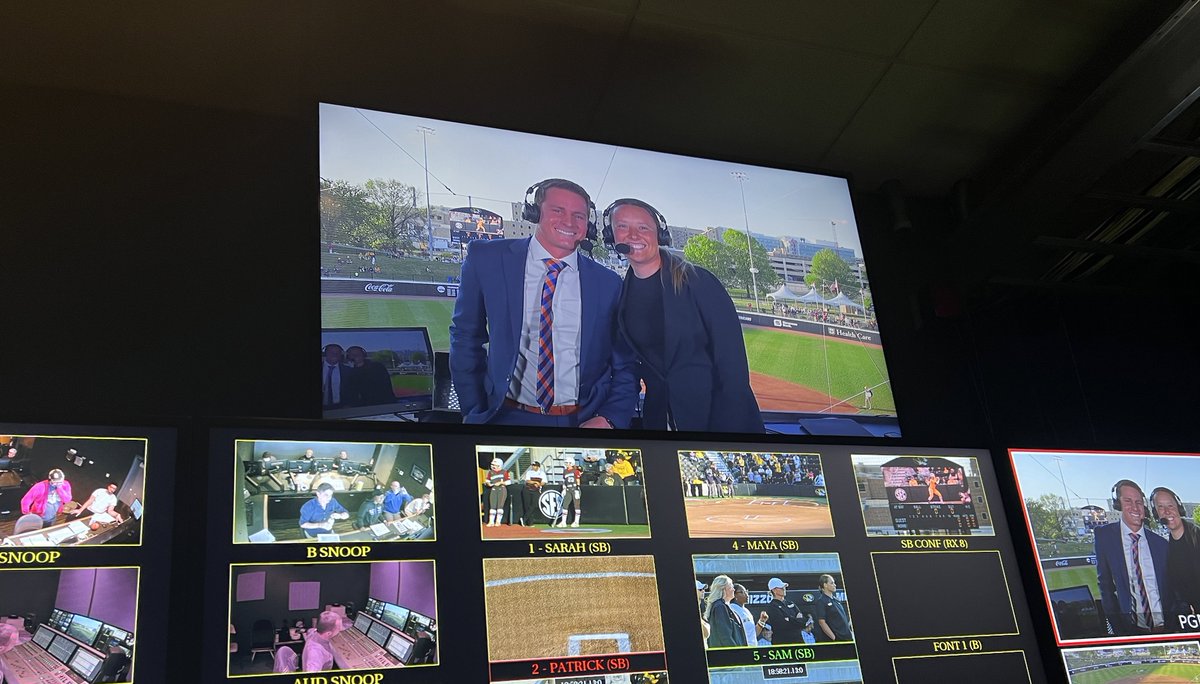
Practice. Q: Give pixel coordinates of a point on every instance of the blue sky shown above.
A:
(1089, 477)
(495, 167)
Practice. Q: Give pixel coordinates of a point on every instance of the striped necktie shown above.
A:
(1143, 595)
(545, 369)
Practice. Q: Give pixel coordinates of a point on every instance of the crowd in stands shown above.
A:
(749, 468)
(823, 316)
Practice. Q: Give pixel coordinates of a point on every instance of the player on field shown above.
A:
(497, 483)
(572, 474)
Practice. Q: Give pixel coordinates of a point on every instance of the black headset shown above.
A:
(532, 211)
(1178, 501)
(1116, 493)
(660, 222)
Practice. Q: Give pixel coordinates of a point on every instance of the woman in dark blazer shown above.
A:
(680, 321)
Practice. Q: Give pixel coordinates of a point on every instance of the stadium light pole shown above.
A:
(741, 177)
(1066, 498)
(425, 132)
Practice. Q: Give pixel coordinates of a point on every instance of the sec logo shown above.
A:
(901, 495)
(550, 503)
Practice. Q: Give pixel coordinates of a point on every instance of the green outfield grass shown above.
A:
(363, 312)
(1061, 578)
(405, 385)
(788, 356)
(800, 359)
(1182, 672)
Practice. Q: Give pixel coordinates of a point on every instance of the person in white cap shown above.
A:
(786, 618)
(704, 627)
(497, 481)
(572, 474)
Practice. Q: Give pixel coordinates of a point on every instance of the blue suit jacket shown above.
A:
(489, 311)
(1113, 576)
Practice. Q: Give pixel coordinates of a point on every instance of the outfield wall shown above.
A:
(409, 288)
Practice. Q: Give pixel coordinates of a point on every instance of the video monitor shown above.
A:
(419, 623)
(538, 493)
(778, 602)
(375, 371)
(572, 630)
(394, 615)
(59, 619)
(43, 636)
(258, 592)
(768, 310)
(336, 491)
(399, 646)
(85, 629)
(1116, 542)
(1163, 663)
(136, 508)
(77, 485)
(86, 664)
(378, 632)
(922, 495)
(62, 648)
(755, 494)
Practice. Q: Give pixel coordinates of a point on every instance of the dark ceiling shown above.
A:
(1018, 107)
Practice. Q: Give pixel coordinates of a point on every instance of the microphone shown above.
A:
(623, 248)
(586, 245)
(1162, 521)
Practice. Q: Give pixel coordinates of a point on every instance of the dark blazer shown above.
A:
(370, 384)
(705, 385)
(725, 628)
(488, 311)
(1112, 575)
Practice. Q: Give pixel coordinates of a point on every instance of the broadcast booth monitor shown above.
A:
(785, 275)
(388, 371)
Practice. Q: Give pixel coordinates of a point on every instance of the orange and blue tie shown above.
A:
(545, 369)
(1144, 596)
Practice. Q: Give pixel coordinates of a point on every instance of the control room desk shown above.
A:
(68, 537)
(27, 663)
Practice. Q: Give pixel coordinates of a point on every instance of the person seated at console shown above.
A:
(371, 511)
(10, 455)
(318, 651)
(46, 498)
(102, 504)
(318, 513)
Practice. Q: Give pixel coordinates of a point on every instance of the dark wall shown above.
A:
(339, 584)
(29, 591)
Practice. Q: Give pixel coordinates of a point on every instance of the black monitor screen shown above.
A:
(62, 648)
(399, 647)
(86, 664)
(378, 633)
(84, 629)
(394, 615)
(43, 636)
(379, 371)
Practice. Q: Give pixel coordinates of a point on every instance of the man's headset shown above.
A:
(1178, 502)
(532, 211)
(1116, 493)
(660, 222)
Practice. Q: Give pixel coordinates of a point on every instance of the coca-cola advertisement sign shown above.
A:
(379, 287)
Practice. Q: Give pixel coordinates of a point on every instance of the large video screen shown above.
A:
(1116, 541)
(567, 283)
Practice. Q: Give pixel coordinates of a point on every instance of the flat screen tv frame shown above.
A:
(368, 152)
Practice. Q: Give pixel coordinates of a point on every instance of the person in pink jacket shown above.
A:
(46, 498)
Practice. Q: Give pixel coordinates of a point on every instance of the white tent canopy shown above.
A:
(783, 294)
(812, 297)
(843, 300)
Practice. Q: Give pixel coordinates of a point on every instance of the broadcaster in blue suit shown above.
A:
(1131, 567)
(682, 324)
(532, 339)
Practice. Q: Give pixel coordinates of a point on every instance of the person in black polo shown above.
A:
(833, 623)
(785, 617)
